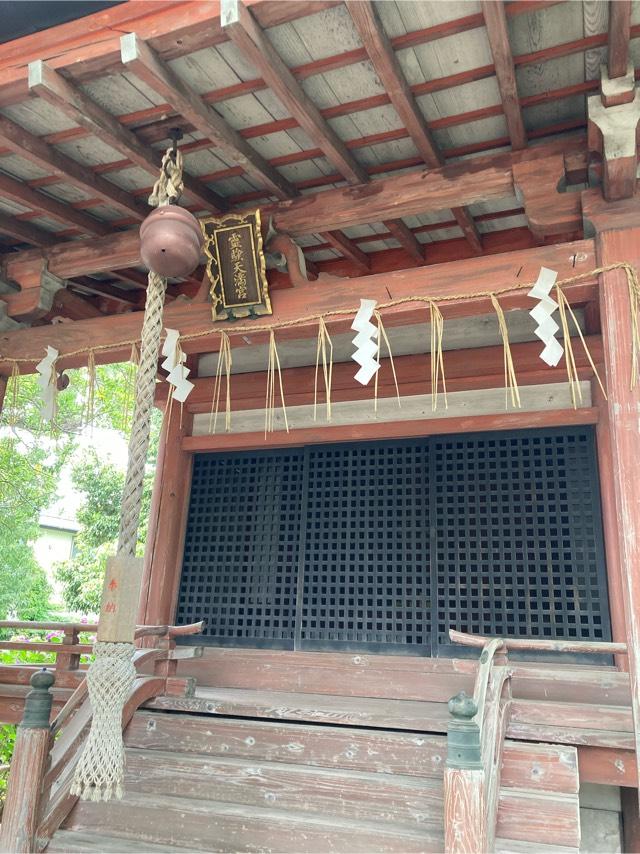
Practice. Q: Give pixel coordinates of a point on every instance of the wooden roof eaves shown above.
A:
(173, 29)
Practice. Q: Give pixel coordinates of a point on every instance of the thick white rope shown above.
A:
(100, 771)
(99, 774)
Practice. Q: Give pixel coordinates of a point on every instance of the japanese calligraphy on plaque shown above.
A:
(236, 266)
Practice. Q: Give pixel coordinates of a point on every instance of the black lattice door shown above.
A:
(365, 573)
(517, 540)
(384, 546)
(242, 545)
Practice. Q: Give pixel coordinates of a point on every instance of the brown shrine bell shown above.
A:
(171, 239)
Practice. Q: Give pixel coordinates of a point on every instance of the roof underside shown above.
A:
(557, 50)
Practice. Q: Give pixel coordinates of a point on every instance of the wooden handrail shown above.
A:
(39, 626)
(541, 644)
(49, 791)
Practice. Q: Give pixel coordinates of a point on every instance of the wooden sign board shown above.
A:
(236, 266)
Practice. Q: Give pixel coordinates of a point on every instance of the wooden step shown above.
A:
(72, 841)
(539, 767)
(515, 846)
(378, 751)
(209, 826)
(314, 708)
(540, 817)
(384, 798)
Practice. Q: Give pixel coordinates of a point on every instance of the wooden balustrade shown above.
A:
(38, 793)
(477, 732)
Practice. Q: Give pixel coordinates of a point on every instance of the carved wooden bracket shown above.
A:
(612, 133)
(550, 211)
(36, 295)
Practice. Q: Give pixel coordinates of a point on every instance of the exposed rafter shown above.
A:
(50, 85)
(381, 53)
(141, 59)
(87, 285)
(25, 231)
(407, 239)
(619, 35)
(339, 240)
(243, 30)
(145, 64)
(496, 24)
(21, 193)
(32, 148)
(249, 38)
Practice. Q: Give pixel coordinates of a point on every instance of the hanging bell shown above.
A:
(170, 242)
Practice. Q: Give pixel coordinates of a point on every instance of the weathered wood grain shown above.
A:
(380, 752)
(20, 814)
(227, 827)
(464, 815)
(607, 766)
(397, 800)
(550, 819)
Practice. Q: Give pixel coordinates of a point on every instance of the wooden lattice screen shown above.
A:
(384, 546)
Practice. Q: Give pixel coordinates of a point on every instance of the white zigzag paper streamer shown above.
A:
(47, 382)
(542, 313)
(365, 342)
(174, 364)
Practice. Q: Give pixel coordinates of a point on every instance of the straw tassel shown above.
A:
(382, 335)
(324, 351)
(13, 396)
(436, 321)
(270, 402)
(90, 403)
(634, 309)
(510, 380)
(569, 358)
(224, 364)
(564, 306)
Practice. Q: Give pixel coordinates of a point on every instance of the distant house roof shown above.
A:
(58, 524)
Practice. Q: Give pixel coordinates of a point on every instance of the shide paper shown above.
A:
(366, 342)
(47, 383)
(174, 364)
(542, 313)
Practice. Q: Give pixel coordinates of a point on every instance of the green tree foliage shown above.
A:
(101, 484)
(30, 462)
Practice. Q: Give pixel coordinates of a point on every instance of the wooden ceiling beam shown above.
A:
(407, 239)
(496, 23)
(339, 241)
(87, 285)
(483, 178)
(465, 282)
(145, 64)
(386, 65)
(30, 147)
(243, 30)
(74, 306)
(21, 193)
(52, 87)
(619, 37)
(139, 58)
(25, 232)
(251, 41)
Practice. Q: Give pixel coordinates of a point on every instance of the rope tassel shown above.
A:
(270, 402)
(437, 356)
(224, 364)
(382, 335)
(324, 351)
(100, 771)
(510, 380)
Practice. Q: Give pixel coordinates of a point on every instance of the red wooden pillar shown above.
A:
(623, 415)
(167, 522)
(615, 580)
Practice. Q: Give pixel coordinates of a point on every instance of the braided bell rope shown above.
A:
(99, 774)
(100, 770)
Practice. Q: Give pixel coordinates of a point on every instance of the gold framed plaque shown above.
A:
(236, 266)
